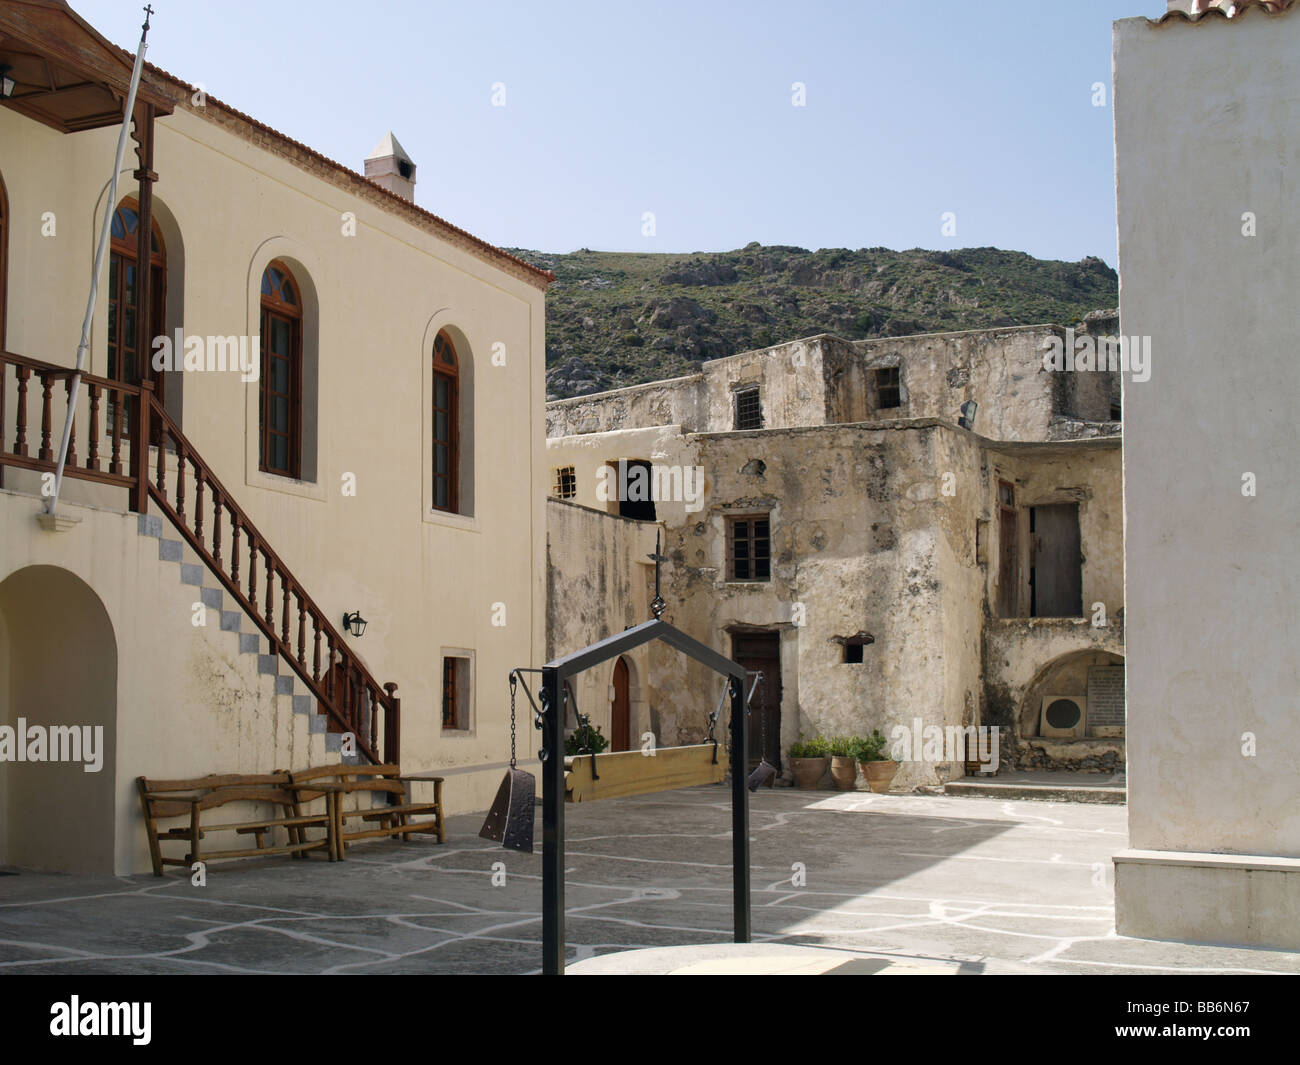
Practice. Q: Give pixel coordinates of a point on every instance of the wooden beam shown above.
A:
(619, 773)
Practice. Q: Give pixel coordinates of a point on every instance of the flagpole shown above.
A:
(109, 209)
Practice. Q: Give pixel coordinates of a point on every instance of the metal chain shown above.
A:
(514, 683)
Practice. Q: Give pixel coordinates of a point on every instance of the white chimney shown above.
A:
(389, 165)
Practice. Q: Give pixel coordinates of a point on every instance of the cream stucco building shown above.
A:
(1207, 137)
(381, 453)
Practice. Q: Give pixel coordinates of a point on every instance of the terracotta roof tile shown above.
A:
(345, 177)
(1230, 9)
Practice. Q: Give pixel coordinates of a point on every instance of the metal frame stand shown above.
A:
(554, 674)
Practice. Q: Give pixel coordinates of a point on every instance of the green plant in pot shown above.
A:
(877, 766)
(844, 764)
(585, 739)
(808, 761)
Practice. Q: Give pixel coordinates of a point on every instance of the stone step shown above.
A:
(973, 787)
(195, 574)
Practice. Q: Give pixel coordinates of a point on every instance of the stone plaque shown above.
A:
(1105, 697)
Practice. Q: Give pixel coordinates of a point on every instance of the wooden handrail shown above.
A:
(356, 704)
(55, 371)
(30, 444)
(355, 708)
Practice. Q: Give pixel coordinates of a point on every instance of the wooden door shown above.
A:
(620, 709)
(761, 652)
(1057, 572)
(1008, 552)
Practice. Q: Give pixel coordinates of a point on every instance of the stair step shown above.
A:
(193, 573)
(1043, 792)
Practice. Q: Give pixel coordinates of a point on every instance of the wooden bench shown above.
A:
(193, 799)
(334, 782)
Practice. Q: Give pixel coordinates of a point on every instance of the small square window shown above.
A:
(455, 694)
(749, 548)
(888, 390)
(566, 483)
(749, 408)
(852, 646)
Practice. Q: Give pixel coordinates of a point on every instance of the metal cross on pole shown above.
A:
(657, 605)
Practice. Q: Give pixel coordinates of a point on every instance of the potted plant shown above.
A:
(844, 764)
(585, 739)
(808, 761)
(878, 768)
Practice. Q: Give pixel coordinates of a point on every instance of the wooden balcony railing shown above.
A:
(298, 630)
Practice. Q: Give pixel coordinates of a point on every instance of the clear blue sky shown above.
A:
(978, 107)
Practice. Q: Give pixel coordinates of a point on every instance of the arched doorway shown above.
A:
(58, 672)
(1092, 679)
(620, 708)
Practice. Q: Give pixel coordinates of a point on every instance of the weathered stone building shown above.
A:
(918, 528)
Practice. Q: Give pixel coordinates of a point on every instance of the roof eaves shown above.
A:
(345, 176)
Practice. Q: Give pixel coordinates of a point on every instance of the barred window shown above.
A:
(749, 548)
(566, 483)
(749, 408)
(888, 392)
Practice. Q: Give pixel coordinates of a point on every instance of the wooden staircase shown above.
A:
(227, 542)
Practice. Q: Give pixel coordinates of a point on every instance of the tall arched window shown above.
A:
(123, 321)
(446, 424)
(279, 411)
(4, 259)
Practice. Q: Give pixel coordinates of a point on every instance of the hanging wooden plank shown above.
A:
(634, 773)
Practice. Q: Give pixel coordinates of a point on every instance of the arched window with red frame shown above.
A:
(279, 411)
(446, 424)
(4, 259)
(123, 320)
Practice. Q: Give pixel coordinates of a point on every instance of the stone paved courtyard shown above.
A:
(962, 884)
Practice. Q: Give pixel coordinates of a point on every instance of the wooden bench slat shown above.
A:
(194, 798)
(336, 782)
(370, 815)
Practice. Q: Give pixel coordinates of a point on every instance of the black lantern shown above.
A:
(355, 623)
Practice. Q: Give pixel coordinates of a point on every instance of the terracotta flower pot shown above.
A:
(844, 771)
(879, 775)
(808, 772)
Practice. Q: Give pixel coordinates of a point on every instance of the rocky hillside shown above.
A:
(620, 318)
